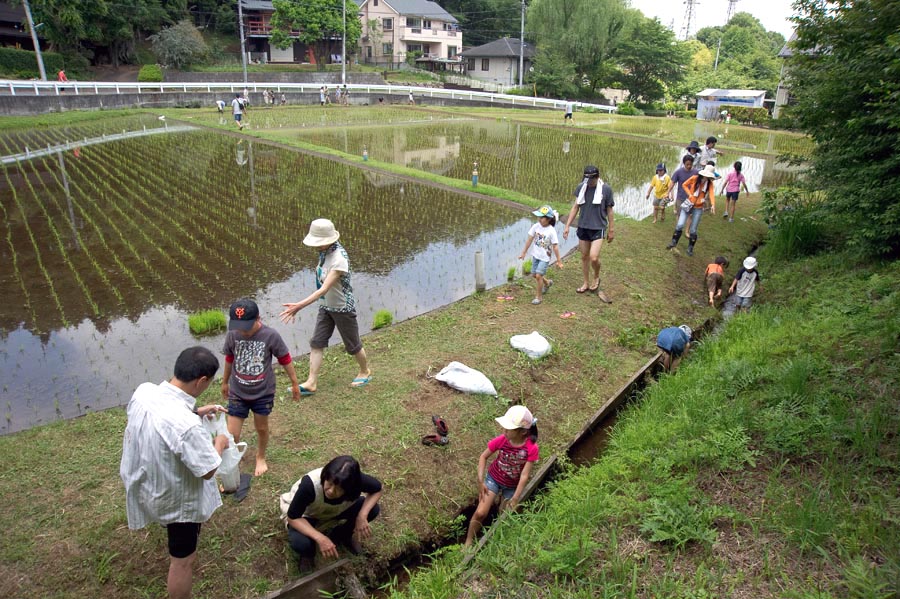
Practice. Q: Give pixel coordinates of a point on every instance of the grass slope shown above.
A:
(64, 517)
(767, 466)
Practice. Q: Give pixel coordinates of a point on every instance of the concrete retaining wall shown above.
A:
(33, 105)
(318, 78)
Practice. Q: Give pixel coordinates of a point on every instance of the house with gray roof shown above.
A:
(497, 61)
(395, 29)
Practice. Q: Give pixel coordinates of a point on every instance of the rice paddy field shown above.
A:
(110, 240)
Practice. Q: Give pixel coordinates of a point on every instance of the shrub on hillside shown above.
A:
(150, 73)
(180, 45)
(22, 64)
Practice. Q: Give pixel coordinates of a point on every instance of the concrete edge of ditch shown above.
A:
(326, 580)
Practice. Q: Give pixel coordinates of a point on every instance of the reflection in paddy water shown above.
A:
(542, 162)
(109, 250)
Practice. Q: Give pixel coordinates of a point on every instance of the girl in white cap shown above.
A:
(509, 473)
(542, 240)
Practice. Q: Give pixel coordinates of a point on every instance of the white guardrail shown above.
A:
(15, 87)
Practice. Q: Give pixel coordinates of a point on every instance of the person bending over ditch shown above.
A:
(330, 505)
(509, 473)
(543, 236)
(168, 462)
(715, 275)
(337, 306)
(248, 383)
(673, 342)
(594, 202)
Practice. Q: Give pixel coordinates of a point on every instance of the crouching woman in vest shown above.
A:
(329, 506)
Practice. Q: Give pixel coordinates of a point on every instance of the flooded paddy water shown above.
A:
(114, 230)
(106, 250)
(545, 163)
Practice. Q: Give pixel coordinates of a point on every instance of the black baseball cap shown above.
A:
(242, 315)
(591, 171)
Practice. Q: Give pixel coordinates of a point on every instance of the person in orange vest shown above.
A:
(699, 191)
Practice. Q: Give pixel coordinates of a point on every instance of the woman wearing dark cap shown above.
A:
(594, 205)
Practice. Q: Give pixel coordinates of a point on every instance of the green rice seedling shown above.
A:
(383, 318)
(511, 273)
(526, 268)
(207, 322)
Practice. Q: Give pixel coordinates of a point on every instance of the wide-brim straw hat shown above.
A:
(321, 232)
(708, 171)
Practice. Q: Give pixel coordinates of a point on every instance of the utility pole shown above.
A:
(34, 40)
(522, 47)
(243, 50)
(344, 48)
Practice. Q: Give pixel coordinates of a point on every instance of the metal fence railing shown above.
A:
(53, 88)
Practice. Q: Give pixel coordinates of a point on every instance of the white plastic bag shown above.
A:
(228, 473)
(534, 345)
(465, 379)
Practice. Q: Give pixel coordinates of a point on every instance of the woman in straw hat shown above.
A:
(699, 190)
(337, 306)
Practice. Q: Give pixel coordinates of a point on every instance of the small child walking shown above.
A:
(659, 185)
(544, 238)
(715, 275)
(733, 183)
(745, 281)
(507, 476)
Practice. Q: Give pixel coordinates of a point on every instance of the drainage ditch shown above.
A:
(583, 450)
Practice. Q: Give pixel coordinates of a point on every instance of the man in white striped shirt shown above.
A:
(168, 461)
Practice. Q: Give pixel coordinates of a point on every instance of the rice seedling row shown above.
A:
(61, 246)
(51, 289)
(17, 273)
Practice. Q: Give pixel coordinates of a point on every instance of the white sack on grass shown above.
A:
(534, 345)
(228, 473)
(465, 379)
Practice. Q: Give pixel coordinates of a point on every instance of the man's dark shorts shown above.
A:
(237, 117)
(183, 538)
(346, 325)
(241, 409)
(568, 115)
(590, 234)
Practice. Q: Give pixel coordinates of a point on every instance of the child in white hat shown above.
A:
(744, 283)
(542, 240)
(507, 476)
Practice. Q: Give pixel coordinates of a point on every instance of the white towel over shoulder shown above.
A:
(598, 195)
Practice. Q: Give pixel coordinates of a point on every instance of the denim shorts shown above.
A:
(539, 267)
(241, 409)
(744, 302)
(496, 488)
(237, 117)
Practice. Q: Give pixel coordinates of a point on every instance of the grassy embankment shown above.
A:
(68, 537)
(767, 466)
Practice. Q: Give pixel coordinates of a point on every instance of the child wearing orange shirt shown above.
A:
(715, 275)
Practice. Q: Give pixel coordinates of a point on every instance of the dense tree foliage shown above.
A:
(650, 60)
(316, 21)
(484, 21)
(845, 79)
(180, 45)
(747, 57)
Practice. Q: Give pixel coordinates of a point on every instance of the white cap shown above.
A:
(749, 262)
(516, 417)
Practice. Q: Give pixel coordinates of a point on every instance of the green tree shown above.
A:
(651, 60)
(584, 32)
(845, 78)
(553, 75)
(318, 22)
(179, 46)
(92, 27)
(484, 21)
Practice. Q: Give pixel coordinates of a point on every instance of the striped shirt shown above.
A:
(165, 454)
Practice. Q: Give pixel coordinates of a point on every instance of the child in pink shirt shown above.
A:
(509, 473)
(733, 183)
